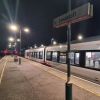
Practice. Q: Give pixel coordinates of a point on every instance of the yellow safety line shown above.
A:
(3, 71)
(53, 73)
(73, 83)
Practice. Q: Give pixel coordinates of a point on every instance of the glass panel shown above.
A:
(48, 55)
(72, 58)
(62, 57)
(89, 61)
(40, 55)
(27, 53)
(35, 54)
(54, 56)
(77, 55)
(32, 54)
(93, 59)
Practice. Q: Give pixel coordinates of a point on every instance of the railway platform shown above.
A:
(34, 81)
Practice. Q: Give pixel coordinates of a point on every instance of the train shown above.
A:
(84, 57)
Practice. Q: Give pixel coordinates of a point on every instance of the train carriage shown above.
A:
(37, 54)
(84, 57)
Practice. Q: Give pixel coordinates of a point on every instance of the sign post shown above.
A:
(68, 86)
(81, 13)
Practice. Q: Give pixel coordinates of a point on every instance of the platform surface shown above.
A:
(34, 81)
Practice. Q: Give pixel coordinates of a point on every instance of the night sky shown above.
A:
(38, 15)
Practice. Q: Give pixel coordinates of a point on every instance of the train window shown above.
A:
(27, 53)
(40, 55)
(92, 59)
(48, 55)
(62, 57)
(35, 54)
(77, 55)
(54, 56)
(32, 54)
(72, 57)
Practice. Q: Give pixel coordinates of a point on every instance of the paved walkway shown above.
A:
(26, 82)
(34, 81)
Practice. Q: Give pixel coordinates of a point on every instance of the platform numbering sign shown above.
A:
(81, 13)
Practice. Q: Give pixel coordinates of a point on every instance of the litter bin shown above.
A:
(15, 58)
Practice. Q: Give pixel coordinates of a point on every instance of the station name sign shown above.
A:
(81, 13)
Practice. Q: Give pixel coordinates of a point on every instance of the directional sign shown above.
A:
(81, 13)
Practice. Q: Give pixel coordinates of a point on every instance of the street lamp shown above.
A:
(42, 45)
(16, 28)
(11, 39)
(9, 45)
(18, 40)
(13, 27)
(80, 37)
(35, 46)
(54, 42)
(26, 30)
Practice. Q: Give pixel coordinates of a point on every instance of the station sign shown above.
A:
(78, 14)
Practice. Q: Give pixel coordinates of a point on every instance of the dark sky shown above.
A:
(39, 15)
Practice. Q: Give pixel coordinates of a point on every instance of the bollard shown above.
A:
(68, 91)
(19, 61)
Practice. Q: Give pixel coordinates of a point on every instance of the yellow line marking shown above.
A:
(3, 71)
(64, 78)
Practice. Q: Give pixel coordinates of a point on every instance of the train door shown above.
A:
(77, 57)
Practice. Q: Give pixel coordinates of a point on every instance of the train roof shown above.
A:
(89, 43)
(88, 39)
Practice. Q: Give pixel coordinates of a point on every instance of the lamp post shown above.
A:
(11, 43)
(26, 30)
(16, 28)
(52, 41)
